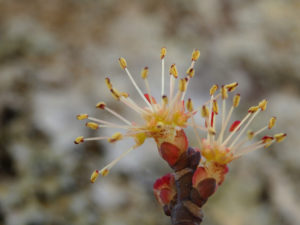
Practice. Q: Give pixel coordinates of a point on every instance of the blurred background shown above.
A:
(54, 56)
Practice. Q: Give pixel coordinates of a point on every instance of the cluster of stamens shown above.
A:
(162, 119)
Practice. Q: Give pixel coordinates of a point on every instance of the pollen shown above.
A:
(253, 109)
(204, 111)
(224, 92)
(82, 116)
(189, 105)
(215, 107)
(182, 85)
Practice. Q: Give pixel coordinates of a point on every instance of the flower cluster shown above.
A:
(165, 118)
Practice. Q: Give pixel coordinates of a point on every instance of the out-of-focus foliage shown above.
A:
(54, 56)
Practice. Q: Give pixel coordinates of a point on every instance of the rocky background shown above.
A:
(54, 56)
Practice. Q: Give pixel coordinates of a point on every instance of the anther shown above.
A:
(263, 105)
(108, 83)
(123, 63)
(211, 131)
(101, 105)
(115, 94)
(190, 72)
(272, 122)
(253, 109)
(279, 137)
(224, 92)
(215, 107)
(92, 125)
(115, 137)
(189, 105)
(94, 176)
(165, 99)
(104, 172)
(250, 134)
(163, 52)
(231, 87)
(204, 111)
(267, 139)
(195, 55)
(82, 116)
(144, 73)
(79, 140)
(213, 89)
(173, 71)
(182, 85)
(236, 100)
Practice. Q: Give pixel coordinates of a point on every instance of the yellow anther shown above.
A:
(82, 116)
(101, 105)
(144, 73)
(224, 92)
(104, 172)
(236, 100)
(108, 83)
(211, 131)
(94, 176)
(204, 111)
(272, 122)
(92, 125)
(195, 55)
(173, 70)
(253, 109)
(165, 99)
(115, 94)
(263, 105)
(189, 105)
(182, 85)
(190, 72)
(140, 138)
(115, 137)
(215, 107)
(163, 52)
(79, 140)
(231, 87)
(213, 89)
(123, 63)
(250, 135)
(279, 137)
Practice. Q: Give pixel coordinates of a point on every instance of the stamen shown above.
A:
(244, 128)
(215, 107)
(102, 105)
(190, 72)
(108, 83)
(104, 171)
(213, 89)
(144, 75)
(189, 105)
(123, 65)
(163, 53)
(204, 111)
(173, 75)
(263, 105)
